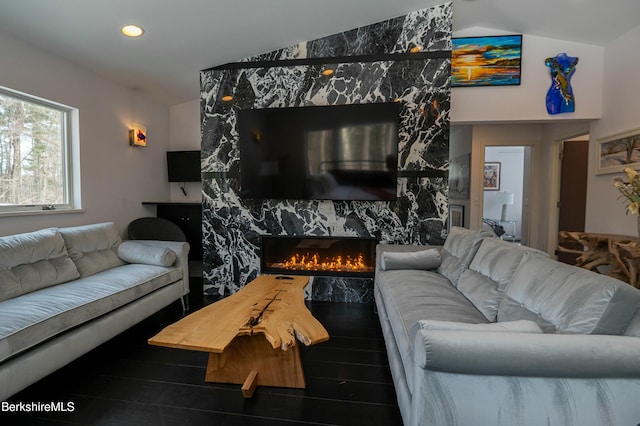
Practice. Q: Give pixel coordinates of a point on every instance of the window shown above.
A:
(35, 154)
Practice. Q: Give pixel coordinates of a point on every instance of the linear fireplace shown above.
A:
(322, 256)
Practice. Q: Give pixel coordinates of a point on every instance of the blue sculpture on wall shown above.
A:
(560, 95)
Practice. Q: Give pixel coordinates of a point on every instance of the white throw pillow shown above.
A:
(138, 252)
(423, 259)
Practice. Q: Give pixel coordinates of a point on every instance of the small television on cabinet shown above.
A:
(183, 166)
(336, 152)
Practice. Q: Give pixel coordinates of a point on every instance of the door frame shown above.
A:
(524, 194)
(555, 168)
(503, 135)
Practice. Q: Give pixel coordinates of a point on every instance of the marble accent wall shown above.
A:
(372, 64)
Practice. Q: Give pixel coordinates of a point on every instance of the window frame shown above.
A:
(70, 158)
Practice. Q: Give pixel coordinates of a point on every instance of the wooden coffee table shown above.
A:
(251, 335)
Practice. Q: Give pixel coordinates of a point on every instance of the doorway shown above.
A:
(572, 204)
(506, 198)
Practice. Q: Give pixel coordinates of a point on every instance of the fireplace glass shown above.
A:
(326, 256)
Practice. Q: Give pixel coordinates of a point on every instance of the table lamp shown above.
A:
(504, 198)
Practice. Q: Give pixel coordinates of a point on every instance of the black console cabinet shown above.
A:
(188, 216)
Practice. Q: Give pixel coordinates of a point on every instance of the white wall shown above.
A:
(115, 176)
(184, 134)
(526, 102)
(621, 112)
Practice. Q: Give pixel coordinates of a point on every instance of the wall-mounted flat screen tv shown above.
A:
(338, 152)
(183, 166)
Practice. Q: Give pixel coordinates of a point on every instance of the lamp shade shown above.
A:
(504, 198)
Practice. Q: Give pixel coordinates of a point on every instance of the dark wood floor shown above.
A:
(127, 382)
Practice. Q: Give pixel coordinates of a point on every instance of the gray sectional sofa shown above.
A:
(485, 332)
(64, 291)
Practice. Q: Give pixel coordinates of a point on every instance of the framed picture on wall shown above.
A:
(616, 152)
(492, 176)
(460, 177)
(456, 215)
(486, 61)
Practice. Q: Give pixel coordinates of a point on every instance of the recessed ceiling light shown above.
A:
(132, 31)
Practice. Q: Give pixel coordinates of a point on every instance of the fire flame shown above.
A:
(314, 263)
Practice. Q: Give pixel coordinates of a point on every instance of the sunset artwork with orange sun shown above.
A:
(486, 61)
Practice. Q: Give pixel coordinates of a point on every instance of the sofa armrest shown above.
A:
(181, 249)
(527, 355)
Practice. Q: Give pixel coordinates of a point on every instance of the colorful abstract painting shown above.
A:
(486, 61)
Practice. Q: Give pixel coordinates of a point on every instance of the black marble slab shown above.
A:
(232, 226)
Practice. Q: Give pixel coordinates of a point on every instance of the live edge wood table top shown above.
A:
(251, 335)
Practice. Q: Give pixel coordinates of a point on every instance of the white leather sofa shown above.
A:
(64, 291)
(485, 332)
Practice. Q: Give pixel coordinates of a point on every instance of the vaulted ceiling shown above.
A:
(183, 37)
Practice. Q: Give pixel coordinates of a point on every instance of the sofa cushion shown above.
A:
(138, 252)
(520, 326)
(423, 259)
(413, 295)
(489, 273)
(32, 261)
(458, 250)
(566, 299)
(93, 248)
(32, 318)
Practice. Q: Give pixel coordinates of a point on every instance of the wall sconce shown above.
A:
(227, 89)
(327, 72)
(137, 135)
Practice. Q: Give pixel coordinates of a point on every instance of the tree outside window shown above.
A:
(34, 149)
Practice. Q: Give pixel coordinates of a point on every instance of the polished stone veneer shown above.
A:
(372, 64)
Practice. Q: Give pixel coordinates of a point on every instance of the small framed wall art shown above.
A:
(616, 152)
(456, 215)
(460, 177)
(492, 176)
